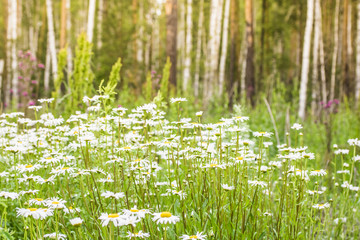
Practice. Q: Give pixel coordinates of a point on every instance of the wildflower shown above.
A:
(227, 187)
(165, 218)
(177, 100)
(199, 114)
(76, 222)
(140, 213)
(296, 126)
(342, 151)
(37, 201)
(257, 183)
(46, 100)
(337, 220)
(198, 235)
(139, 234)
(11, 195)
(55, 203)
(109, 194)
(117, 219)
(320, 172)
(262, 134)
(321, 206)
(36, 213)
(55, 235)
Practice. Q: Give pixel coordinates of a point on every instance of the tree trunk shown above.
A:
(1, 80)
(335, 53)
(139, 39)
(51, 36)
(198, 50)
(90, 22)
(344, 85)
(69, 50)
(315, 82)
(233, 35)
(224, 48)
(99, 24)
(322, 65)
(63, 24)
(357, 72)
(262, 41)
(306, 58)
(250, 69)
(47, 68)
(171, 35)
(12, 78)
(188, 46)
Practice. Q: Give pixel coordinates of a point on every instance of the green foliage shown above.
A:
(114, 79)
(148, 92)
(164, 88)
(60, 77)
(81, 83)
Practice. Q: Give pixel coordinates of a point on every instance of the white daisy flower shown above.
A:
(198, 235)
(139, 234)
(165, 218)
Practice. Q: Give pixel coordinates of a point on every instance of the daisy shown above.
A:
(321, 206)
(55, 203)
(320, 172)
(55, 235)
(198, 235)
(11, 195)
(177, 100)
(165, 218)
(76, 222)
(257, 183)
(115, 218)
(139, 234)
(109, 194)
(227, 187)
(37, 201)
(36, 213)
(296, 126)
(140, 213)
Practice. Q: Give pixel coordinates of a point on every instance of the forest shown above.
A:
(179, 119)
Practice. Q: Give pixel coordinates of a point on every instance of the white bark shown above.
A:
(69, 51)
(188, 46)
(306, 58)
(1, 73)
(357, 88)
(349, 45)
(99, 24)
(139, 39)
(322, 66)
(224, 48)
(315, 88)
(335, 53)
(47, 68)
(198, 49)
(51, 36)
(91, 19)
(12, 80)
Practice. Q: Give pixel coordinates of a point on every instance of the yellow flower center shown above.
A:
(238, 117)
(317, 171)
(113, 215)
(262, 132)
(55, 203)
(39, 199)
(165, 215)
(167, 142)
(213, 165)
(134, 210)
(70, 207)
(76, 132)
(28, 166)
(127, 148)
(240, 158)
(32, 209)
(65, 168)
(137, 160)
(48, 158)
(193, 237)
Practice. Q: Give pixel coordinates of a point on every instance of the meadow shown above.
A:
(108, 172)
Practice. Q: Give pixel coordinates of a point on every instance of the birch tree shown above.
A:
(69, 50)
(12, 77)
(198, 49)
(188, 46)
(99, 24)
(90, 22)
(357, 71)
(171, 36)
(51, 36)
(250, 69)
(315, 88)
(224, 48)
(306, 58)
(63, 24)
(336, 46)
(139, 40)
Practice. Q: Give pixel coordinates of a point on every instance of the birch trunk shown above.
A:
(51, 36)
(224, 48)
(198, 50)
(139, 39)
(188, 46)
(306, 58)
(357, 72)
(315, 88)
(69, 50)
(99, 24)
(322, 66)
(250, 69)
(47, 68)
(335, 53)
(63, 24)
(171, 37)
(90, 22)
(12, 80)
(1, 80)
